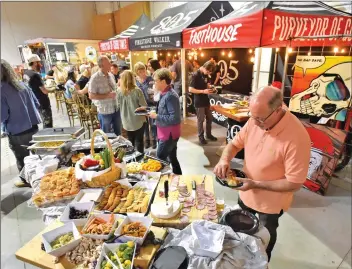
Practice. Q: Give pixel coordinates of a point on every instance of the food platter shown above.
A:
(144, 112)
(234, 173)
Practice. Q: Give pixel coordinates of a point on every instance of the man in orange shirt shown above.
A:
(277, 154)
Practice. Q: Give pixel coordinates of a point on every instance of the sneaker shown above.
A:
(212, 138)
(202, 141)
(22, 184)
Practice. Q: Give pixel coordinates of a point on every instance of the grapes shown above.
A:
(78, 214)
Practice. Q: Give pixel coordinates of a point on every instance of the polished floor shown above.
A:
(314, 234)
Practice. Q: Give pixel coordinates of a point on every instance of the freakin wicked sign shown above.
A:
(165, 32)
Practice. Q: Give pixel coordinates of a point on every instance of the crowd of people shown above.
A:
(116, 93)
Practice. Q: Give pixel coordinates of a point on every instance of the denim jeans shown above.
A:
(270, 221)
(110, 122)
(167, 151)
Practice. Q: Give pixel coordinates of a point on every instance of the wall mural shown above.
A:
(322, 86)
(327, 144)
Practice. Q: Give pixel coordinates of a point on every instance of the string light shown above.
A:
(190, 57)
(336, 49)
(145, 54)
(200, 49)
(250, 50)
(309, 53)
(223, 53)
(277, 49)
(290, 50)
(178, 53)
(169, 54)
(161, 54)
(252, 59)
(202, 54)
(230, 54)
(343, 51)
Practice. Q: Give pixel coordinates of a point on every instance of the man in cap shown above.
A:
(35, 82)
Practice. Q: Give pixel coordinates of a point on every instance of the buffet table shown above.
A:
(31, 252)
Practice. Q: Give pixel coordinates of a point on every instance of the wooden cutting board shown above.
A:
(194, 214)
(31, 252)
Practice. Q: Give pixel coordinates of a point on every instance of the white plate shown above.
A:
(88, 195)
(112, 247)
(118, 221)
(50, 236)
(146, 221)
(80, 206)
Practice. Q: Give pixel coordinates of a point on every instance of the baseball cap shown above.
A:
(34, 58)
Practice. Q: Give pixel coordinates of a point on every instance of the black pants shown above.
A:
(136, 138)
(15, 144)
(150, 131)
(47, 117)
(270, 221)
(204, 113)
(167, 151)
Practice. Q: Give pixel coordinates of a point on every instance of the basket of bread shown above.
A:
(98, 170)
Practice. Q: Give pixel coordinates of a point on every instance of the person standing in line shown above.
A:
(215, 75)
(168, 119)
(102, 91)
(115, 71)
(145, 83)
(176, 73)
(153, 65)
(200, 88)
(35, 82)
(129, 98)
(277, 155)
(162, 63)
(19, 115)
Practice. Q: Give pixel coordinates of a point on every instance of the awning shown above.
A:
(119, 43)
(272, 24)
(165, 32)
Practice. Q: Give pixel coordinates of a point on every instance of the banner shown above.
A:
(280, 26)
(114, 45)
(327, 144)
(322, 86)
(233, 32)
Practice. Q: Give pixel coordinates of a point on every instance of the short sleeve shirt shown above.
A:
(35, 81)
(280, 153)
(103, 84)
(82, 82)
(200, 81)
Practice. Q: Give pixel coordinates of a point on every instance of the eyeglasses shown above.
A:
(260, 120)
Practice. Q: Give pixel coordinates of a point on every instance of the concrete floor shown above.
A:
(314, 233)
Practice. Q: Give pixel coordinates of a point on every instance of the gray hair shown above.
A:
(100, 60)
(9, 75)
(276, 99)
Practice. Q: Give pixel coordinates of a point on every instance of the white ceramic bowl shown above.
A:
(80, 206)
(146, 221)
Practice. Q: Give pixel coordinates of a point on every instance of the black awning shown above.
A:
(165, 32)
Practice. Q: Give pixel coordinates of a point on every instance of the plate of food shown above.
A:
(231, 179)
(143, 111)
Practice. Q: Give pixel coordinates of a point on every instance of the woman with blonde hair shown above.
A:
(129, 98)
(145, 83)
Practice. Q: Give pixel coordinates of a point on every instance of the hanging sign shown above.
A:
(120, 44)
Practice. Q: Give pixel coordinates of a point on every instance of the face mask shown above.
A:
(156, 96)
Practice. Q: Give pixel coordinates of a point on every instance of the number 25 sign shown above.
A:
(228, 73)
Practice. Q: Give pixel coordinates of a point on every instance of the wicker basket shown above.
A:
(107, 178)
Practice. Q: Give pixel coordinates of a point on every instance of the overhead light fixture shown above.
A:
(178, 53)
(277, 49)
(289, 50)
(230, 54)
(250, 50)
(145, 54)
(223, 53)
(169, 54)
(309, 53)
(189, 57)
(343, 51)
(202, 54)
(336, 49)
(252, 59)
(200, 48)
(161, 54)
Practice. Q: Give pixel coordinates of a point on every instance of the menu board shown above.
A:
(55, 50)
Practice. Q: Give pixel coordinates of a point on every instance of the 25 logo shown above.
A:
(169, 23)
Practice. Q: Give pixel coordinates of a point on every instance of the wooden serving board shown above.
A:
(31, 252)
(194, 214)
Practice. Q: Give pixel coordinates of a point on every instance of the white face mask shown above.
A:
(156, 96)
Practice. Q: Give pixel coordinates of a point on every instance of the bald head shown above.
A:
(268, 96)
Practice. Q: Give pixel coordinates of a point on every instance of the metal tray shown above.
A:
(58, 134)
